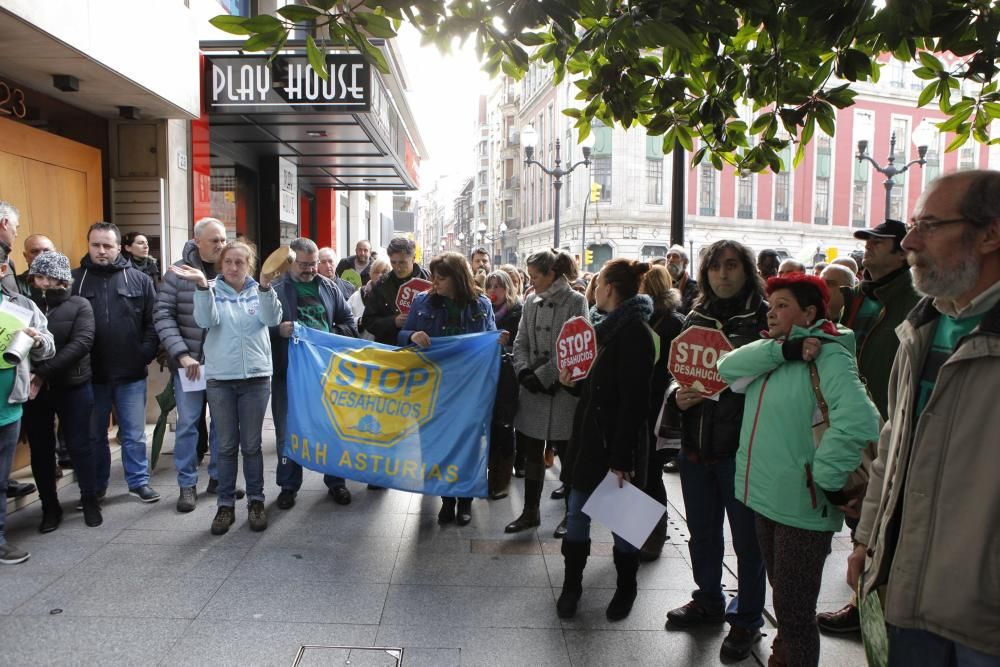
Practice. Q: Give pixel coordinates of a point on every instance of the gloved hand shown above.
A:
(530, 381)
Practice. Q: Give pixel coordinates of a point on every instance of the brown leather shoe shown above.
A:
(843, 621)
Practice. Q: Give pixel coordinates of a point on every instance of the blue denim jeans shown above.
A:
(289, 474)
(919, 647)
(238, 408)
(189, 405)
(8, 442)
(129, 400)
(709, 496)
(578, 523)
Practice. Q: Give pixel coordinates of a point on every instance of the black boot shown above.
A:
(529, 517)
(52, 515)
(91, 511)
(626, 564)
(653, 546)
(464, 514)
(575, 559)
(447, 512)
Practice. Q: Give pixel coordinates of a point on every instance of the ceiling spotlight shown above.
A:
(66, 83)
(129, 113)
(315, 133)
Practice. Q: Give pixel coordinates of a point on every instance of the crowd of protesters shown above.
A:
(857, 393)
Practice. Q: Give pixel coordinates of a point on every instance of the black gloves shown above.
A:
(530, 381)
(792, 349)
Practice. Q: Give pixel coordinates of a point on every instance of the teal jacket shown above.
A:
(237, 345)
(780, 472)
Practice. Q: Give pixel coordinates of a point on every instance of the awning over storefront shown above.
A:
(351, 132)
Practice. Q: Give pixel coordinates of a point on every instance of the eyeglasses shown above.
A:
(307, 265)
(925, 227)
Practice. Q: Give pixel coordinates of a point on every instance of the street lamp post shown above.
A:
(921, 138)
(528, 139)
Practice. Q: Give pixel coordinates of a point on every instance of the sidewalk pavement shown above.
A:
(152, 586)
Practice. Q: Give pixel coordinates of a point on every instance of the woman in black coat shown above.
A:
(507, 311)
(610, 427)
(135, 247)
(60, 386)
(667, 323)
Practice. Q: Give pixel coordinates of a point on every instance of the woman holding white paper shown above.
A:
(610, 430)
(237, 311)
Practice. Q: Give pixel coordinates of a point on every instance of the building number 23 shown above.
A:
(12, 101)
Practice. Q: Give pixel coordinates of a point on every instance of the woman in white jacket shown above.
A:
(237, 312)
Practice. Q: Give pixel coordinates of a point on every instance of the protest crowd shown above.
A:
(851, 393)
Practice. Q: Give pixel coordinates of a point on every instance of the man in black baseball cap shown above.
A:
(882, 301)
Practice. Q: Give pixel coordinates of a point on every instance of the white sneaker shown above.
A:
(11, 555)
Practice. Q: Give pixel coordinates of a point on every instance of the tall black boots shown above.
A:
(626, 564)
(575, 558)
(530, 517)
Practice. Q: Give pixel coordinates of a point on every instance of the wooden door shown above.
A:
(56, 185)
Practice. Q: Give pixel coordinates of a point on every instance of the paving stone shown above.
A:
(469, 606)
(480, 646)
(300, 601)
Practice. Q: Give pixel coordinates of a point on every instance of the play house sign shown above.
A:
(248, 84)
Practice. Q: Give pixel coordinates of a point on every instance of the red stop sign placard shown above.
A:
(693, 355)
(576, 347)
(408, 291)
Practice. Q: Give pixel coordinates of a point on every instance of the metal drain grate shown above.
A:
(355, 656)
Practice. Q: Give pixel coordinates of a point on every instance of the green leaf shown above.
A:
(928, 60)
(299, 13)
(376, 26)
(317, 58)
(992, 108)
(927, 94)
(325, 5)
(532, 38)
(231, 24)
(263, 23)
(958, 142)
(263, 41)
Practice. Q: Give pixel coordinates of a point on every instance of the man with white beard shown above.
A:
(928, 528)
(677, 265)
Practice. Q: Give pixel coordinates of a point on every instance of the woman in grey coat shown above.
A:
(545, 411)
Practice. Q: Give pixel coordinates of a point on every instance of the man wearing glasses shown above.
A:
(313, 301)
(928, 528)
(879, 305)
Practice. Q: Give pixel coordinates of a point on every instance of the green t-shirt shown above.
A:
(453, 325)
(947, 333)
(311, 311)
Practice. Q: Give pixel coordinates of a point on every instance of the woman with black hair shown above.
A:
(545, 411)
(610, 427)
(453, 306)
(791, 480)
(731, 301)
(135, 247)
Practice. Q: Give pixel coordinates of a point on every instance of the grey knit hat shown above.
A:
(52, 264)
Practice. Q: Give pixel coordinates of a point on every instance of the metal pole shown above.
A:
(557, 184)
(889, 183)
(583, 241)
(677, 196)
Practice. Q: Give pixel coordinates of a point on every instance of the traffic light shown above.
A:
(588, 254)
(595, 194)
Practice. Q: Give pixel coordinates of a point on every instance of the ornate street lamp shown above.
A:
(921, 137)
(528, 139)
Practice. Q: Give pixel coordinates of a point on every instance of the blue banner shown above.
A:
(404, 418)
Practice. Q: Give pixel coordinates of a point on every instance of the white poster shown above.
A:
(288, 192)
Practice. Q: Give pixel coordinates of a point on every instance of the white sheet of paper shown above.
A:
(626, 512)
(21, 313)
(193, 385)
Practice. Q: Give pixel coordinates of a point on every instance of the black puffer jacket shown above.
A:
(173, 315)
(379, 318)
(711, 429)
(610, 427)
(509, 321)
(147, 266)
(667, 323)
(71, 322)
(122, 297)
